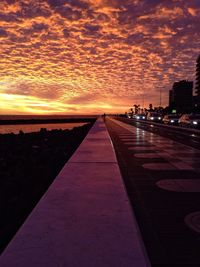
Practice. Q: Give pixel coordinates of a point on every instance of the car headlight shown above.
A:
(152, 118)
(143, 117)
(195, 122)
(159, 118)
(137, 117)
(172, 121)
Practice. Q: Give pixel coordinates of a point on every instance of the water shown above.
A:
(41, 117)
(28, 128)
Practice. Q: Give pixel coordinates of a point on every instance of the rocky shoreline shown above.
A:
(28, 165)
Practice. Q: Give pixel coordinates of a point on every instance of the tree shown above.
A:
(136, 107)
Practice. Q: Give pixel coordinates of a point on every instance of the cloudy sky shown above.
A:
(94, 56)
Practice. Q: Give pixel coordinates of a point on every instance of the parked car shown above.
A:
(190, 120)
(140, 116)
(154, 116)
(129, 115)
(171, 119)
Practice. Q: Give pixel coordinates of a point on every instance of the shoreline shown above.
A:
(29, 163)
(44, 121)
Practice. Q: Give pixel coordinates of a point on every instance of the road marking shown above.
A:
(147, 155)
(141, 148)
(159, 166)
(180, 185)
(192, 220)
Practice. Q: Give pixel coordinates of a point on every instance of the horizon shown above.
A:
(93, 56)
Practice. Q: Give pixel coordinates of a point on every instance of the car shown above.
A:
(129, 115)
(190, 120)
(141, 116)
(154, 116)
(171, 119)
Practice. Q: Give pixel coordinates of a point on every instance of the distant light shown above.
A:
(195, 122)
(159, 118)
(152, 118)
(173, 110)
(172, 121)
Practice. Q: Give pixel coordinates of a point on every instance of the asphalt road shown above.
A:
(161, 172)
(179, 134)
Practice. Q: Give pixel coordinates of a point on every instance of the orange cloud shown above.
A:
(192, 11)
(87, 56)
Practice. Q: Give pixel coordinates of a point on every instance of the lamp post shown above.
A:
(160, 97)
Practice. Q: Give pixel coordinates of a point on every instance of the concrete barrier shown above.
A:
(84, 219)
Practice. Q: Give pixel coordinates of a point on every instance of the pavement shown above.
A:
(161, 177)
(85, 218)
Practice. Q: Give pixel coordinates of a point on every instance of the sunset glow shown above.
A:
(94, 56)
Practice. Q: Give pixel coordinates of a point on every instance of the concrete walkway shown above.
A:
(84, 219)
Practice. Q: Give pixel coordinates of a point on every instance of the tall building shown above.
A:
(180, 97)
(197, 84)
(170, 98)
(196, 97)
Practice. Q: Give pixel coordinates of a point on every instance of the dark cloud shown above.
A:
(32, 9)
(15, 39)
(78, 4)
(66, 33)
(3, 33)
(10, 17)
(69, 13)
(134, 39)
(38, 27)
(57, 3)
(129, 14)
(92, 30)
(72, 3)
(70, 10)
(28, 32)
(9, 2)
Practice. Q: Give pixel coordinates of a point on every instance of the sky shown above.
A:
(94, 56)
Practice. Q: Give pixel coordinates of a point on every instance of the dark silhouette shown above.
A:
(29, 162)
(104, 116)
(180, 97)
(197, 87)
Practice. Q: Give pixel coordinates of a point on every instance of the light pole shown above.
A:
(160, 97)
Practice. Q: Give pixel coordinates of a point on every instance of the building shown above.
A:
(170, 98)
(180, 97)
(197, 84)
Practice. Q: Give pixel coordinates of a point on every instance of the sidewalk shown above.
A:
(84, 219)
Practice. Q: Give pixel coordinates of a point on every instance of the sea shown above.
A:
(28, 128)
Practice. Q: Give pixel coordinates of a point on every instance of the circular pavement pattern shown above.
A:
(147, 155)
(135, 145)
(180, 185)
(128, 140)
(159, 166)
(192, 220)
(147, 148)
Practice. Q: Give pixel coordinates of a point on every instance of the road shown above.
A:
(186, 136)
(161, 172)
